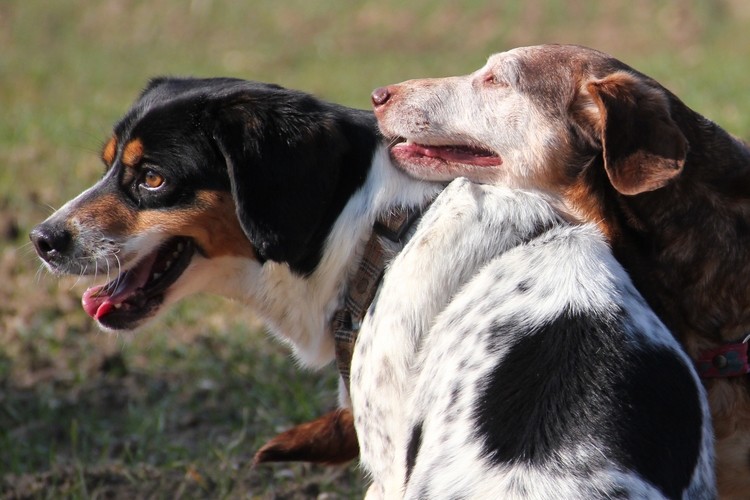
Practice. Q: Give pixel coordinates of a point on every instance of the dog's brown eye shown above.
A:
(152, 180)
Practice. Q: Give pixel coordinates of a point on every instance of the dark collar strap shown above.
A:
(728, 360)
(388, 237)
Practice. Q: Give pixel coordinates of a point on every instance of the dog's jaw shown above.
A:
(137, 293)
(461, 154)
(441, 161)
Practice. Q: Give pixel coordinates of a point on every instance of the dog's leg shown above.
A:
(330, 439)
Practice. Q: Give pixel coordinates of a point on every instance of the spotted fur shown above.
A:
(523, 365)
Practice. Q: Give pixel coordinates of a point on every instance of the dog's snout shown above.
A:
(50, 241)
(380, 96)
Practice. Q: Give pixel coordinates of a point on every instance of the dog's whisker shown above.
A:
(28, 251)
(26, 246)
(80, 276)
(119, 265)
(38, 274)
(109, 269)
(96, 268)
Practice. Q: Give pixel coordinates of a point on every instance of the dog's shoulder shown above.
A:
(549, 334)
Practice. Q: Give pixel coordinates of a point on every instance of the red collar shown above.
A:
(728, 360)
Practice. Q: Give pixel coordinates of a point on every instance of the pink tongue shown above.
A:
(97, 303)
(452, 154)
(91, 302)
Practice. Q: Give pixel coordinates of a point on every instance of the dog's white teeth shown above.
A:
(118, 306)
(156, 276)
(167, 264)
(180, 247)
(175, 254)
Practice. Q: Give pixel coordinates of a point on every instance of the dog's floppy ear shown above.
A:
(285, 156)
(643, 147)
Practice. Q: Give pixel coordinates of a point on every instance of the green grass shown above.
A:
(179, 409)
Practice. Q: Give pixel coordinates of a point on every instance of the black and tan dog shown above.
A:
(247, 190)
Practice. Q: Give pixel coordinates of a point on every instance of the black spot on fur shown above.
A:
(424, 492)
(412, 449)
(455, 393)
(523, 286)
(450, 416)
(660, 432)
(582, 379)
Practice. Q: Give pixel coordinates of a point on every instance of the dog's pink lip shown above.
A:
(131, 295)
(453, 153)
(98, 301)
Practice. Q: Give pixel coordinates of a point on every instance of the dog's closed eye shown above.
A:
(494, 80)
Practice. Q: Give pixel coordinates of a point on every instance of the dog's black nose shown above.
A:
(380, 96)
(50, 241)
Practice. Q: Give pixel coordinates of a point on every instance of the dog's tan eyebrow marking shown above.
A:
(133, 153)
(109, 150)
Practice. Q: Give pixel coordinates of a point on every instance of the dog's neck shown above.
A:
(686, 244)
(298, 309)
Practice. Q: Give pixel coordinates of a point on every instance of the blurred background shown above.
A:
(177, 410)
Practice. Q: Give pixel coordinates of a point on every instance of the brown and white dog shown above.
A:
(669, 189)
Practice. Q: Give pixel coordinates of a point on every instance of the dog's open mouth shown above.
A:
(454, 153)
(126, 300)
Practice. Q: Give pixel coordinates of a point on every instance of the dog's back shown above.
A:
(523, 364)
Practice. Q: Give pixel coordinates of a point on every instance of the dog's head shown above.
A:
(536, 116)
(205, 180)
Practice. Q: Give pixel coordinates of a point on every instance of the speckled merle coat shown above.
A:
(508, 355)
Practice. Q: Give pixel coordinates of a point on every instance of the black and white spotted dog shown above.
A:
(509, 356)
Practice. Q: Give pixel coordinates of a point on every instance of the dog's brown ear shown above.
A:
(643, 147)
